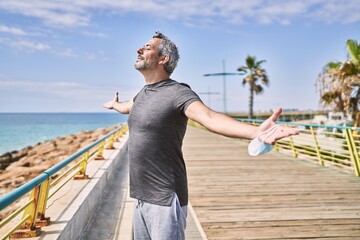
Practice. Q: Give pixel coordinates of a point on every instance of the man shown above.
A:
(157, 124)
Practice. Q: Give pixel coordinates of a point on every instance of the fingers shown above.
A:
(110, 104)
(280, 133)
(285, 132)
(276, 114)
(268, 123)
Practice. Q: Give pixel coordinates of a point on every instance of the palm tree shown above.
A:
(254, 73)
(339, 83)
(353, 48)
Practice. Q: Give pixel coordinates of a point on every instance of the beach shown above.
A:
(30, 143)
(18, 167)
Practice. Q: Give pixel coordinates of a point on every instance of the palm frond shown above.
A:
(250, 61)
(353, 48)
(242, 69)
(258, 89)
(258, 63)
(332, 65)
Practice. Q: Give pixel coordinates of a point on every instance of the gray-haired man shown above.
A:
(157, 124)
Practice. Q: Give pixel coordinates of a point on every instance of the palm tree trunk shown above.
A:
(251, 104)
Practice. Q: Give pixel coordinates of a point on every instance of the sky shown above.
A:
(72, 56)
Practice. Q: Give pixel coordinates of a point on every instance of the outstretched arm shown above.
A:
(121, 107)
(227, 126)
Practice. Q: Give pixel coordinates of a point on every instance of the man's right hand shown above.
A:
(121, 107)
(110, 104)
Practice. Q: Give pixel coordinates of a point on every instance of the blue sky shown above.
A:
(71, 56)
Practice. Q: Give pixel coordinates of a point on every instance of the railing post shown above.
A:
(353, 152)
(29, 228)
(111, 143)
(292, 145)
(99, 155)
(317, 148)
(43, 197)
(81, 174)
(117, 136)
(354, 133)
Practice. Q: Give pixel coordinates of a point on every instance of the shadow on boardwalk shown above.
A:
(273, 196)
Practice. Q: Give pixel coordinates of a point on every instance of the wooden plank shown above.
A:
(272, 196)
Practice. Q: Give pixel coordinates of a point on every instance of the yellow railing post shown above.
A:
(29, 228)
(111, 143)
(43, 197)
(123, 130)
(99, 155)
(292, 145)
(317, 148)
(276, 147)
(354, 134)
(117, 136)
(353, 152)
(81, 174)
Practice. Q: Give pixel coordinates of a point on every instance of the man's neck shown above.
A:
(155, 76)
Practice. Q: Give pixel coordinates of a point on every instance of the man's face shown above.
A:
(148, 56)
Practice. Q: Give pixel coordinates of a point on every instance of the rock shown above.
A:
(63, 143)
(25, 161)
(5, 160)
(16, 155)
(43, 148)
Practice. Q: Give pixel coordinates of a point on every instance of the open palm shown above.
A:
(280, 132)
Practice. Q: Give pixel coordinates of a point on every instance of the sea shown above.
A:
(19, 130)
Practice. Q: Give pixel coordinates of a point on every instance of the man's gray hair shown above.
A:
(168, 47)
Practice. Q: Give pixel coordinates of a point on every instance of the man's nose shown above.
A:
(140, 50)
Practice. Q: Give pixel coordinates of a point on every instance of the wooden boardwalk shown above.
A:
(274, 196)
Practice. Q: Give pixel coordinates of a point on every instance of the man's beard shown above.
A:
(143, 65)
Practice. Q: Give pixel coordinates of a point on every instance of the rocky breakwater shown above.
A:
(18, 167)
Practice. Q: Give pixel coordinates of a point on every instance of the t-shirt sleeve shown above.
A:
(184, 96)
(134, 99)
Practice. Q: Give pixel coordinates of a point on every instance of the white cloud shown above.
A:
(12, 30)
(33, 46)
(22, 44)
(67, 53)
(337, 11)
(55, 14)
(69, 13)
(90, 56)
(96, 34)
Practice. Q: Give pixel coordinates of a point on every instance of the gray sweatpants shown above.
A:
(154, 222)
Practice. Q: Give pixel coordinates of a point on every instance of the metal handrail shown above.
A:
(40, 185)
(299, 124)
(328, 145)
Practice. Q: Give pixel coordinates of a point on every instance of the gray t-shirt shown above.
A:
(157, 126)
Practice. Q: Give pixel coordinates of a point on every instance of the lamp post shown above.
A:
(209, 93)
(223, 74)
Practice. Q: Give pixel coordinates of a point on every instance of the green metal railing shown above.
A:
(43, 187)
(336, 146)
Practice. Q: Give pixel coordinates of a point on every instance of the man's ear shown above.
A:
(164, 59)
